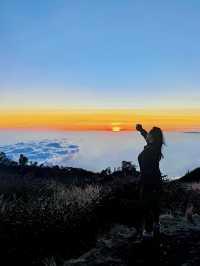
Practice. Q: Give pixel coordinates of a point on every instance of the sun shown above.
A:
(116, 129)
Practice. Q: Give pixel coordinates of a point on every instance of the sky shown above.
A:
(95, 65)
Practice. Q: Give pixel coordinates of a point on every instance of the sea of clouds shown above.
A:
(48, 152)
(97, 150)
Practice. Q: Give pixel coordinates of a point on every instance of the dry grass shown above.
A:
(49, 262)
(42, 216)
(49, 198)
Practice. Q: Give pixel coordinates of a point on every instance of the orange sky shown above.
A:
(96, 119)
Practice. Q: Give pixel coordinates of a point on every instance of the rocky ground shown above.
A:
(179, 244)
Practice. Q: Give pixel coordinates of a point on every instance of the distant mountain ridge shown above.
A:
(192, 132)
(193, 176)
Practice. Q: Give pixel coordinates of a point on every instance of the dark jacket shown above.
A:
(149, 160)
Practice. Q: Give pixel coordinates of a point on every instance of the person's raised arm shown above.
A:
(142, 131)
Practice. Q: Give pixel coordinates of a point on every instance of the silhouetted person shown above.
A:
(150, 178)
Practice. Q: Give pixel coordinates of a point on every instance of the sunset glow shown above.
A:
(100, 120)
(116, 129)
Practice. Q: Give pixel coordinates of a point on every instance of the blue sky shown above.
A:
(107, 53)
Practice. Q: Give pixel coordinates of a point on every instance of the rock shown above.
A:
(107, 248)
(179, 245)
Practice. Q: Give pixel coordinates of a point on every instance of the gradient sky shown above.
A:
(60, 56)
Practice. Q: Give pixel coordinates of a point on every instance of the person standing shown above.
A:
(151, 178)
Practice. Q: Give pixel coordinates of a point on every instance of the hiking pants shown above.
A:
(150, 197)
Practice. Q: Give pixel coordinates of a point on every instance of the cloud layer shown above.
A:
(96, 151)
(45, 151)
